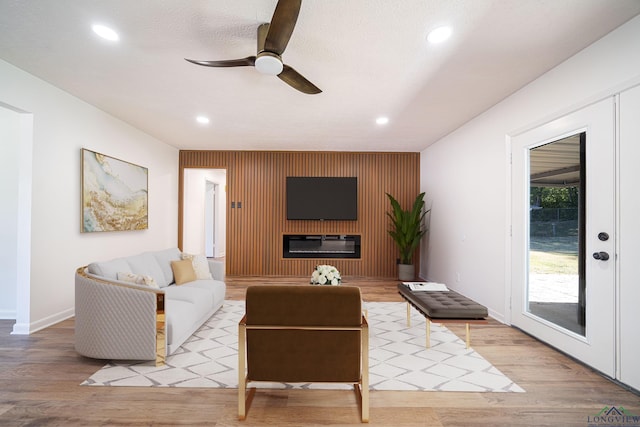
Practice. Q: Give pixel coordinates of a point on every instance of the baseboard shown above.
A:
(20, 329)
(497, 316)
(29, 328)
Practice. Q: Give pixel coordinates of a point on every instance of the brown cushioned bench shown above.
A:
(443, 307)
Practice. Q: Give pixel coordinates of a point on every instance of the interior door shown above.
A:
(563, 249)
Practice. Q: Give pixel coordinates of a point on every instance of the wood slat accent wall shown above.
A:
(257, 180)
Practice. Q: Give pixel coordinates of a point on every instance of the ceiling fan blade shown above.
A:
(296, 81)
(248, 61)
(282, 24)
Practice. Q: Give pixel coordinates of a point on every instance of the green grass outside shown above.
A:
(553, 255)
(553, 263)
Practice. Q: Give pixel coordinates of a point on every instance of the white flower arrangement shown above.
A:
(325, 275)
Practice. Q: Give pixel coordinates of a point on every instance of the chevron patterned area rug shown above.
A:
(398, 358)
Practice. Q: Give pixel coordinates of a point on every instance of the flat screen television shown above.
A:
(322, 198)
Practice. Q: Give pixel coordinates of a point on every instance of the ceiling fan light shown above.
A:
(268, 63)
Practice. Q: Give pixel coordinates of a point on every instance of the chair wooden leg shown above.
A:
(428, 333)
(242, 379)
(247, 402)
(365, 372)
(363, 402)
(242, 414)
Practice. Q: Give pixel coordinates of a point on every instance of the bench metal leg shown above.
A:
(468, 334)
(428, 343)
(468, 327)
(408, 314)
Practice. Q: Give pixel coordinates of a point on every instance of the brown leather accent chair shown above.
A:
(303, 334)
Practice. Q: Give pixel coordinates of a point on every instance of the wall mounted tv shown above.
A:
(322, 198)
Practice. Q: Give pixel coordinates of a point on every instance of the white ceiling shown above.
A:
(369, 57)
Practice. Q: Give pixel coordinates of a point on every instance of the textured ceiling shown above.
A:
(369, 57)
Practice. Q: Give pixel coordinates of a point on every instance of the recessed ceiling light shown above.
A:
(202, 120)
(105, 32)
(439, 35)
(382, 120)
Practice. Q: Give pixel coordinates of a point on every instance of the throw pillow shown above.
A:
(200, 265)
(138, 279)
(183, 271)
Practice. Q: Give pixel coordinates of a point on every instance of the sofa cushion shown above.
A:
(215, 288)
(146, 264)
(164, 258)
(138, 279)
(200, 265)
(110, 269)
(183, 271)
(200, 298)
(216, 267)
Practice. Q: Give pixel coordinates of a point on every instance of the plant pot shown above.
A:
(406, 272)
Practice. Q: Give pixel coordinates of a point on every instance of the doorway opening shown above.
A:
(204, 212)
(16, 132)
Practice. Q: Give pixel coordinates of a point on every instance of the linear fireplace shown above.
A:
(320, 246)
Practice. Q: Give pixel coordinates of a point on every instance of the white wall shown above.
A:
(9, 155)
(62, 125)
(193, 238)
(466, 174)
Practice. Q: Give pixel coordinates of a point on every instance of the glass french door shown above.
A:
(556, 275)
(563, 223)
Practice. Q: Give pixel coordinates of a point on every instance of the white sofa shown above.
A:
(123, 320)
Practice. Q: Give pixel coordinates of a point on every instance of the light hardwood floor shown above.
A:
(40, 376)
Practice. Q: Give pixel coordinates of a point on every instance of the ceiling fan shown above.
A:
(272, 41)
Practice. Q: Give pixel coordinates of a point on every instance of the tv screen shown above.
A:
(322, 198)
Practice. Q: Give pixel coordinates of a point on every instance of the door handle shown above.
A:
(602, 256)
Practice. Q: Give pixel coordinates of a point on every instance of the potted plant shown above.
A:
(407, 228)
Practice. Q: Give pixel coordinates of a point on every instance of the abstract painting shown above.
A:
(114, 194)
